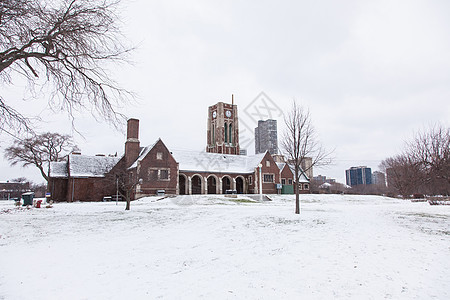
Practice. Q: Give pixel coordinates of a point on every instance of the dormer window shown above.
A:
(159, 155)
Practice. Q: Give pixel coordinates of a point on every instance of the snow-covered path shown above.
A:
(360, 247)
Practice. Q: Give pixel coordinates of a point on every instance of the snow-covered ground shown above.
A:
(358, 247)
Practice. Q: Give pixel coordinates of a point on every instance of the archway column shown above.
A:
(233, 184)
(220, 186)
(189, 185)
(205, 186)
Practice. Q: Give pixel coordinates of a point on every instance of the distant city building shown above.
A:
(319, 179)
(358, 175)
(266, 137)
(379, 178)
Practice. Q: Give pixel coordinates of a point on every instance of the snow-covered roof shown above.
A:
(325, 185)
(280, 165)
(199, 161)
(58, 169)
(91, 166)
(303, 178)
(142, 154)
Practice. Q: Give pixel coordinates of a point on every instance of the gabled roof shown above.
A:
(58, 169)
(143, 153)
(83, 166)
(303, 177)
(281, 166)
(200, 161)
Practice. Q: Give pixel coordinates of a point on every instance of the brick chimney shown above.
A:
(132, 146)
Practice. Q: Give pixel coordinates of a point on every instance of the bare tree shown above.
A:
(403, 174)
(39, 151)
(424, 167)
(431, 150)
(299, 143)
(66, 44)
(125, 181)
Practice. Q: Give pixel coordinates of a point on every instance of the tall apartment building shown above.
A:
(379, 178)
(266, 137)
(358, 175)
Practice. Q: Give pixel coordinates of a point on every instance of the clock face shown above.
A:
(214, 115)
(228, 113)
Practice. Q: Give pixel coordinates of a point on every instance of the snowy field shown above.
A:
(349, 247)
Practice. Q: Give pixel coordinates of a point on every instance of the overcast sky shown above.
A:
(371, 72)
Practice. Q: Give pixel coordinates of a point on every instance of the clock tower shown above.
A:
(223, 128)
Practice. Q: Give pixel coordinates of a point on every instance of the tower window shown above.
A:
(226, 133)
(213, 134)
(230, 136)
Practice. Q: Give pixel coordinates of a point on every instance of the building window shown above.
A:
(268, 163)
(230, 136)
(226, 133)
(283, 181)
(290, 181)
(250, 180)
(213, 137)
(158, 174)
(163, 174)
(306, 186)
(159, 155)
(268, 178)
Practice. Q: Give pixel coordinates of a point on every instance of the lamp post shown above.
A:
(260, 181)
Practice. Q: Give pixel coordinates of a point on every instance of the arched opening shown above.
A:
(212, 185)
(196, 184)
(226, 184)
(239, 185)
(226, 133)
(182, 185)
(230, 136)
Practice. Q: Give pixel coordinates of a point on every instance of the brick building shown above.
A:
(155, 168)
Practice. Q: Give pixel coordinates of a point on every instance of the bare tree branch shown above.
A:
(39, 151)
(67, 43)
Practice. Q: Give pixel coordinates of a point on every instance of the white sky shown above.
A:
(371, 73)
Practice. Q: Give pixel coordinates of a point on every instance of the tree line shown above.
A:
(424, 165)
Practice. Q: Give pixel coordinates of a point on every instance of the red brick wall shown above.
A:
(151, 163)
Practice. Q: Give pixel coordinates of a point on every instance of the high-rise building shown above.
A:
(379, 178)
(358, 175)
(266, 137)
(223, 129)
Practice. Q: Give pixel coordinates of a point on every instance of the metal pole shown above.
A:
(260, 181)
(117, 189)
(73, 186)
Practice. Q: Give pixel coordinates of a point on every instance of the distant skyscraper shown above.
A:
(358, 175)
(266, 137)
(378, 178)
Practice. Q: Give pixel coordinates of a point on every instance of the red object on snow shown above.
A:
(38, 203)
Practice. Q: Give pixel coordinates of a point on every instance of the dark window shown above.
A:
(268, 178)
(226, 133)
(163, 174)
(230, 136)
(283, 181)
(290, 181)
(250, 180)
